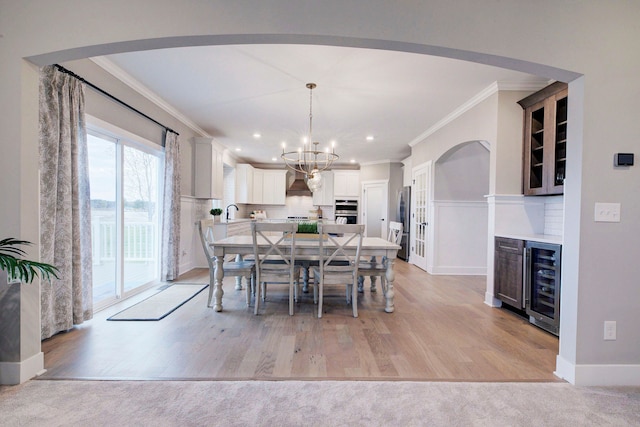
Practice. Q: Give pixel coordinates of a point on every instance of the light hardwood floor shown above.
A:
(441, 330)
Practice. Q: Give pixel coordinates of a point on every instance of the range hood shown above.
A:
(298, 187)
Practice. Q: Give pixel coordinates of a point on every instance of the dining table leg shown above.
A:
(390, 275)
(305, 277)
(217, 285)
(239, 278)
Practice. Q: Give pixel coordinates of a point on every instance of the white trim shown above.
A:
(458, 270)
(12, 373)
(565, 370)
(490, 300)
(475, 100)
(533, 86)
(115, 132)
(598, 375)
(467, 203)
(380, 162)
(134, 84)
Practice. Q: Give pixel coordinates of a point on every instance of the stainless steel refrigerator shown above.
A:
(403, 215)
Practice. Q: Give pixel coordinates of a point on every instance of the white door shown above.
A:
(420, 195)
(374, 208)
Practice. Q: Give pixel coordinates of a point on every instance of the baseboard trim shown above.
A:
(491, 301)
(598, 375)
(12, 373)
(459, 271)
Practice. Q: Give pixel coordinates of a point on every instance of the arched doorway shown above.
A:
(459, 213)
(156, 40)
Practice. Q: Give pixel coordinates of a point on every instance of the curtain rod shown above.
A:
(108, 95)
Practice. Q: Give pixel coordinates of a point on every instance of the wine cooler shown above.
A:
(542, 285)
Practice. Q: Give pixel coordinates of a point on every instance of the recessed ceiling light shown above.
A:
(274, 159)
(352, 161)
(257, 135)
(238, 149)
(370, 138)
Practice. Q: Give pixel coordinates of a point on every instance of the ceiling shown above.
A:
(232, 92)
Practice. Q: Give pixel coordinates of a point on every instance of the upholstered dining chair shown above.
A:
(338, 266)
(274, 249)
(244, 269)
(373, 268)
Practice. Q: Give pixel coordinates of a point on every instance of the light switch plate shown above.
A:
(607, 212)
(609, 330)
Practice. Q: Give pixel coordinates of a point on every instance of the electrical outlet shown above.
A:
(609, 330)
(607, 212)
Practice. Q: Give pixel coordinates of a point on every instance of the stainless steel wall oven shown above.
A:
(347, 209)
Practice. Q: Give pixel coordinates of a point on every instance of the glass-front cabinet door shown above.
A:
(543, 284)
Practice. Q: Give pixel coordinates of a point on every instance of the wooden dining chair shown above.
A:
(246, 269)
(374, 268)
(338, 265)
(274, 249)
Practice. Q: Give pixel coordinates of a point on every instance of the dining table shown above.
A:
(307, 250)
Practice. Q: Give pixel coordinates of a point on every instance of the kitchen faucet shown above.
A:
(235, 206)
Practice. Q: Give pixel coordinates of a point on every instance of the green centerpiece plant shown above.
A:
(308, 227)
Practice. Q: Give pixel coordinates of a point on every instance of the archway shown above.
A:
(460, 215)
(120, 46)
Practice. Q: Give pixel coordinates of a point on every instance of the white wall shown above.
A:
(462, 173)
(460, 211)
(555, 39)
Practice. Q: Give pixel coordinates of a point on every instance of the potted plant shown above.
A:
(309, 230)
(21, 269)
(216, 212)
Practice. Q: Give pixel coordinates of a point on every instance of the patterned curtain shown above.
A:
(65, 211)
(171, 208)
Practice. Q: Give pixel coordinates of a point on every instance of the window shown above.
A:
(126, 186)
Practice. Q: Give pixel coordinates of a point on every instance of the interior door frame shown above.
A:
(384, 184)
(422, 262)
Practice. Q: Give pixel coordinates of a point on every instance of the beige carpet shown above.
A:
(160, 305)
(314, 403)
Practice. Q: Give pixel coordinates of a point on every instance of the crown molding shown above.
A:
(477, 99)
(134, 84)
(380, 162)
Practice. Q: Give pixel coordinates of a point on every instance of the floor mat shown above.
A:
(160, 305)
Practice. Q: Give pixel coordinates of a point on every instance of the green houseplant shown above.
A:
(216, 212)
(21, 269)
(308, 227)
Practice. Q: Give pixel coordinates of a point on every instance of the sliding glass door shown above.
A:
(126, 187)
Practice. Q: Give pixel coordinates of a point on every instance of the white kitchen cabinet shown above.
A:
(324, 196)
(208, 169)
(258, 178)
(346, 183)
(274, 188)
(244, 183)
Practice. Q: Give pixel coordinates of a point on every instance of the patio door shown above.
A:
(420, 197)
(126, 187)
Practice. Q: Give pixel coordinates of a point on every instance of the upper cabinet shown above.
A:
(346, 183)
(209, 170)
(244, 183)
(274, 187)
(545, 140)
(260, 186)
(324, 196)
(258, 175)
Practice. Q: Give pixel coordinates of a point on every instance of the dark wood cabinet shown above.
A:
(507, 278)
(545, 140)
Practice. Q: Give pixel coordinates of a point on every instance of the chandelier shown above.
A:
(309, 159)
